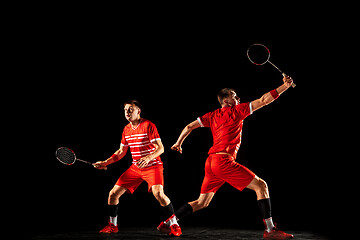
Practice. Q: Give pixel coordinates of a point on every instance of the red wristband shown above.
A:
(115, 157)
(274, 94)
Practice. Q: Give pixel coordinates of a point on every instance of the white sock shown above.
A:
(171, 221)
(268, 224)
(113, 220)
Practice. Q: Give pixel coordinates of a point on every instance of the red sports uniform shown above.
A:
(226, 127)
(140, 141)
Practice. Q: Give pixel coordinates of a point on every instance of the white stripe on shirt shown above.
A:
(155, 139)
(202, 125)
(148, 150)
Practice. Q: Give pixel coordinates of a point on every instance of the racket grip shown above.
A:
(292, 84)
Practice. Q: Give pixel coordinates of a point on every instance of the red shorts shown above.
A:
(134, 176)
(221, 168)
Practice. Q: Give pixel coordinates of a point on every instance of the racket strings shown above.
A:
(258, 54)
(65, 156)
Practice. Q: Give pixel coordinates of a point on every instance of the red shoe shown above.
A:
(163, 228)
(110, 228)
(175, 230)
(276, 234)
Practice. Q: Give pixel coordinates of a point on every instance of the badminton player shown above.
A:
(143, 139)
(220, 167)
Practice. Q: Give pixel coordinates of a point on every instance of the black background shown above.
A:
(85, 68)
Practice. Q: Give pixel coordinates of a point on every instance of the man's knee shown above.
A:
(263, 185)
(115, 194)
(262, 190)
(112, 194)
(157, 191)
(158, 194)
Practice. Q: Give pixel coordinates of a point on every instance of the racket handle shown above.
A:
(292, 84)
(105, 168)
(84, 161)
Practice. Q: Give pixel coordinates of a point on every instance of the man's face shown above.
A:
(132, 112)
(232, 100)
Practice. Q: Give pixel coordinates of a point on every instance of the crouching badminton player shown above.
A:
(143, 139)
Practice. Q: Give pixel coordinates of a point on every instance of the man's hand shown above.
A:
(177, 147)
(101, 165)
(144, 161)
(287, 81)
(185, 132)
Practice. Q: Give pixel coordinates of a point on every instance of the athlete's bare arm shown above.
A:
(267, 98)
(121, 152)
(144, 161)
(185, 132)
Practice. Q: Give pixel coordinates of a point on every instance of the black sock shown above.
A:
(184, 211)
(168, 210)
(265, 207)
(113, 210)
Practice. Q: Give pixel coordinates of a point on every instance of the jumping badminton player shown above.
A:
(143, 139)
(220, 167)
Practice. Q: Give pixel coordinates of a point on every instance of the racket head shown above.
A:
(258, 54)
(65, 155)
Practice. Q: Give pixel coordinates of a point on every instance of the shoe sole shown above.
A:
(176, 235)
(163, 230)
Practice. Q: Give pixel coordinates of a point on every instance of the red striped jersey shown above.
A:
(226, 126)
(140, 140)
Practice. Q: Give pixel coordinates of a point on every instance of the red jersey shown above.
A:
(226, 126)
(140, 141)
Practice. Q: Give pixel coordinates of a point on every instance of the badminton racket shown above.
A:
(258, 54)
(68, 157)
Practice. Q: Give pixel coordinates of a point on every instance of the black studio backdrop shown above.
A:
(90, 74)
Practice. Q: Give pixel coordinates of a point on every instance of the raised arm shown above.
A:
(272, 95)
(119, 154)
(185, 132)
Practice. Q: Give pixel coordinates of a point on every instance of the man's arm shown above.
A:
(268, 98)
(185, 132)
(119, 154)
(144, 161)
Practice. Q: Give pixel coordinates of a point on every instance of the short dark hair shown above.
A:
(224, 93)
(133, 102)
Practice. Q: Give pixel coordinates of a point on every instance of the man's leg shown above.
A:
(171, 225)
(155, 179)
(158, 191)
(260, 187)
(202, 202)
(263, 197)
(113, 201)
(114, 195)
